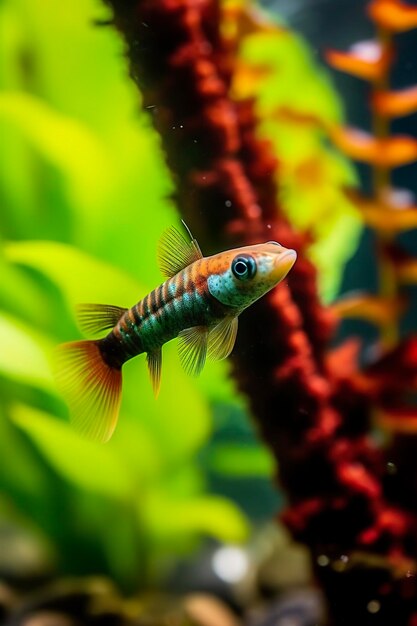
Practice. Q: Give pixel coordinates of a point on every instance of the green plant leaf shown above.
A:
(63, 141)
(206, 514)
(16, 290)
(23, 354)
(80, 276)
(179, 418)
(241, 461)
(86, 464)
(24, 476)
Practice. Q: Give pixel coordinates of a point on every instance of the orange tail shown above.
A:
(91, 388)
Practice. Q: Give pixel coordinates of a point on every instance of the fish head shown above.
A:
(241, 276)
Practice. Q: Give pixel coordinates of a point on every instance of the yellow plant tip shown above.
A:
(241, 20)
(366, 59)
(393, 215)
(389, 152)
(378, 311)
(393, 15)
(400, 420)
(310, 173)
(395, 103)
(247, 78)
(290, 115)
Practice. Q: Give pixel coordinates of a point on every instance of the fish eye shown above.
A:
(244, 267)
(275, 243)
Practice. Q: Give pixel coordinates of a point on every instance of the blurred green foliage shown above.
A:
(84, 196)
(296, 103)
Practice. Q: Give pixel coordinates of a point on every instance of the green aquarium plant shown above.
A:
(92, 172)
(85, 195)
(314, 403)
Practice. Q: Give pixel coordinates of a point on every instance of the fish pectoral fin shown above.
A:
(175, 253)
(154, 361)
(95, 318)
(192, 349)
(222, 338)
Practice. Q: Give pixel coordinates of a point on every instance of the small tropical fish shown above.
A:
(199, 303)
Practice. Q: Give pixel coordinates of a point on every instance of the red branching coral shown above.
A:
(313, 406)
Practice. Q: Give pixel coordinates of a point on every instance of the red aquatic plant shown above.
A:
(350, 498)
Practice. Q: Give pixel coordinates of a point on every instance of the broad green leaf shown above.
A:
(86, 464)
(23, 354)
(127, 201)
(64, 142)
(216, 383)
(17, 290)
(241, 461)
(179, 419)
(207, 514)
(137, 445)
(24, 475)
(112, 525)
(81, 277)
(183, 480)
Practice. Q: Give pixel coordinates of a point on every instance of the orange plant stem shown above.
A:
(381, 178)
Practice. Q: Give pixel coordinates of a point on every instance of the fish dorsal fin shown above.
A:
(95, 318)
(192, 349)
(154, 361)
(222, 338)
(175, 253)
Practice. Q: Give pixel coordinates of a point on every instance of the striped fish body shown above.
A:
(199, 303)
(183, 301)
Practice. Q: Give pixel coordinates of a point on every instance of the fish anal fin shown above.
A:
(91, 388)
(95, 318)
(222, 338)
(154, 361)
(175, 253)
(192, 349)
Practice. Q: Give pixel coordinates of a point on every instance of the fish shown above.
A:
(199, 302)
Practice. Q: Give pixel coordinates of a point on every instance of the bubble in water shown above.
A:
(369, 51)
(323, 560)
(339, 565)
(399, 198)
(373, 606)
(230, 563)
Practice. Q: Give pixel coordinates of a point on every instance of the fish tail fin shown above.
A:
(91, 387)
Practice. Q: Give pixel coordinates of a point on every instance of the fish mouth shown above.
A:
(284, 263)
